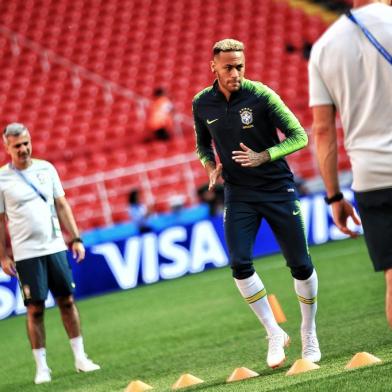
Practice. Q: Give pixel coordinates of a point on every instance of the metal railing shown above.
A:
(100, 191)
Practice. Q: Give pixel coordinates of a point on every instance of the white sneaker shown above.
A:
(310, 346)
(85, 365)
(42, 375)
(276, 343)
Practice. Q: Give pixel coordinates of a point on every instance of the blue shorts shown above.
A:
(242, 221)
(38, 275)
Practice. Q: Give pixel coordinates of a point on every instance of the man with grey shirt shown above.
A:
(31, 201)
(350, 71)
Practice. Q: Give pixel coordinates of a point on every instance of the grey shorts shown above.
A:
(38, 275)
(375, 209)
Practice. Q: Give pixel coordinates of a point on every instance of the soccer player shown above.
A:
(241, 117)
(350, 71)
(31, 200)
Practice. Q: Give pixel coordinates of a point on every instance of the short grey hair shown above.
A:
(14, 129)
(228, 45)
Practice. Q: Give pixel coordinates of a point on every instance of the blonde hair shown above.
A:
(228, 45)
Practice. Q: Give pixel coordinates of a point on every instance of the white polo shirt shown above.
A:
(29, 216)
(347, 71)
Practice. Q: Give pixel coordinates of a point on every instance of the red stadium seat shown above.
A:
(85, 129)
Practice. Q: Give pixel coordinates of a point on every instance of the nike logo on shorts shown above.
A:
(209, 122)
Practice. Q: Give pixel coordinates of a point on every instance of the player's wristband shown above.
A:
(336, 197)
(77, 239)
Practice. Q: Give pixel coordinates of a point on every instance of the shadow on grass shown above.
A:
(219, 383)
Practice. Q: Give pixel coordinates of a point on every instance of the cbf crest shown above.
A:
(246, 118)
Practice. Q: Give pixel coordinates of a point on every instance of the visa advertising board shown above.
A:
(169, 254)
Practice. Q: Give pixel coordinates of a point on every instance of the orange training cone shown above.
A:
(276, 309)
(362, 359)
(301, 366)
(137, 386)
(186, 380)
(241, 373)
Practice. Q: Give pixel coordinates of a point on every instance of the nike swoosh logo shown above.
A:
(209, 122)
(296, 212)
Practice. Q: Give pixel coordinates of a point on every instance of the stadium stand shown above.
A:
(77, 73)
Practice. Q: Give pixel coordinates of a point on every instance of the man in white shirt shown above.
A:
(348, 73)
(31, 201)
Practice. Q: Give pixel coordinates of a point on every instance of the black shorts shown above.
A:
(242, 221)
(40, 274)
(375, 209)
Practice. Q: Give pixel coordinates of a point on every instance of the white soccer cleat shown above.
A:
(310, 347)
(42, 376)
(85, 365)
(276, 344)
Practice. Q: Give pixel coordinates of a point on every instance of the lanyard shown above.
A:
(370, 37)
(26, 180)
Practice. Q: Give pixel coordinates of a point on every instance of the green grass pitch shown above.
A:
(199, 324)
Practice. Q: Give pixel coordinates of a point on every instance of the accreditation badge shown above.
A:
(55, 222)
